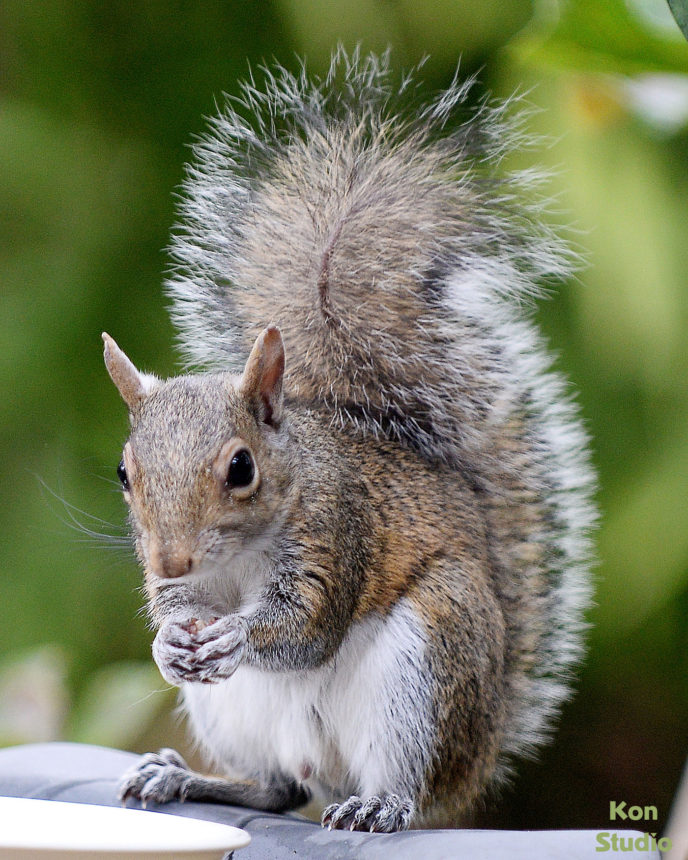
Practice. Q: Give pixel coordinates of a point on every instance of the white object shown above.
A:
(55, 830)
(661, 100)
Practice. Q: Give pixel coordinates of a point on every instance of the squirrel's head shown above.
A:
(205, 471)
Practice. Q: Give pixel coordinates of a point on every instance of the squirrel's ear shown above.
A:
(132, 385)
(262, 379)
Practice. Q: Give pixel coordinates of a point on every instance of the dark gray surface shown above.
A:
(88, 774)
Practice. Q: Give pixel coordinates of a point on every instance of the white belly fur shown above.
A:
(360, 724)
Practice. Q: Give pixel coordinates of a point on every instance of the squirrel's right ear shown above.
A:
(132, 385)
(261, 382)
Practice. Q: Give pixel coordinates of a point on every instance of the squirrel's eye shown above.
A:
(241, 470)
(122, 475)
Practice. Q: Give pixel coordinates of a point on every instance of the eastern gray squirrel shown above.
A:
(365, 525)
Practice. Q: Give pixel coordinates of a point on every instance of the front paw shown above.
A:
(220, 648)
(173, 650)
(385, 814)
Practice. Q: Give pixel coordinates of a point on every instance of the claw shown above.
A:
(327, 815)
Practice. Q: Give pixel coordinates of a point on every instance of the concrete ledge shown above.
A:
(89, 774)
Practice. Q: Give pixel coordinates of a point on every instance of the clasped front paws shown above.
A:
(193, 651)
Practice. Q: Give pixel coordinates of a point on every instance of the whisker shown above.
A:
(82, 522)
(114, 483)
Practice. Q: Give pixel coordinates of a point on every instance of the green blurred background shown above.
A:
(98, 103)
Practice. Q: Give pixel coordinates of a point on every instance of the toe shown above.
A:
(342, 816)
(364, 816)
(393, 815)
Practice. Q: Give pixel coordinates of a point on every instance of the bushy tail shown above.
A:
(398, 264)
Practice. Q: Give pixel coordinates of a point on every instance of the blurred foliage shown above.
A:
(98, 104)
(617, 36)
(117, 702)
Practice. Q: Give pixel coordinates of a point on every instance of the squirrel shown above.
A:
(364, 515)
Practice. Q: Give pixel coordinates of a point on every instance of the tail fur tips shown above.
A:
(331, 211)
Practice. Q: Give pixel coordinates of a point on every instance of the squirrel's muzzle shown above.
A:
(169, 563)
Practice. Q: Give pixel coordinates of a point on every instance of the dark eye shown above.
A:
(122, 475)
(241, 470)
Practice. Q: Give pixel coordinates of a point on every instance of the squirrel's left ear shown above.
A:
(261, 382)
(132, 385)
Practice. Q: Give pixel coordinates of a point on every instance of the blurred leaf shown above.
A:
(33, 696)
(608, 37)
(679, 9)
(118, 703)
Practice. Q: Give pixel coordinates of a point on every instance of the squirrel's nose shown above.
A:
(169, 563)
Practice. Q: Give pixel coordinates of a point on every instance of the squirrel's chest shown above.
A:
(321, 723)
